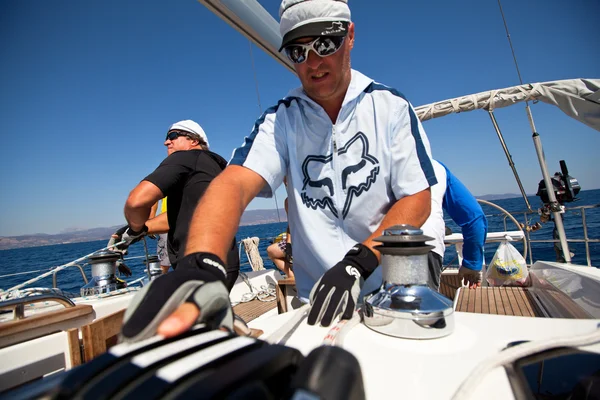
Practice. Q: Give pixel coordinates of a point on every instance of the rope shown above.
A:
(336, 335)
(251, 248)
(31, 291)
(24, 273)
(112, 293)
(265, 293)
(49, 269)
(59, 268)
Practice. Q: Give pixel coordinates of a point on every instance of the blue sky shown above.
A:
(89, 89)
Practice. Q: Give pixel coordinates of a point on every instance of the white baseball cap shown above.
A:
(309, 18)
(192, 127)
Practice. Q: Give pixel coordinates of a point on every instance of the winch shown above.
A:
(405, 305)
(104, 269)
(153, 267)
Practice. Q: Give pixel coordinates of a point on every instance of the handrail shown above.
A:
(586, 239)
(526, 228)
(85, 279)
(18, 304)
(509, 215)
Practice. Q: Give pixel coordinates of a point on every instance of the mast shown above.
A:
(250, 19)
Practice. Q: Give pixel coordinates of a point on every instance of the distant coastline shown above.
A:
(250, 217)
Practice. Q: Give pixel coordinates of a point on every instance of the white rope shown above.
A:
(50, 269)
(24, 273)
(251, 248)
(31, 291)
(110, 294)
(265, 293)
(17, 294)
(510, 355)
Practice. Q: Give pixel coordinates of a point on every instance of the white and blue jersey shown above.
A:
(435, 225)
(343, 177)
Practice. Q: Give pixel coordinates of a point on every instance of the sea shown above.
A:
(19, 265)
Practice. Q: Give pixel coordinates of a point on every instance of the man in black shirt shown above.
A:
(182, 177)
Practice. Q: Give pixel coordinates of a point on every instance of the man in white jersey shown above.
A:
(356, 159)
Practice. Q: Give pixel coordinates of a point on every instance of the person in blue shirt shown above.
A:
(466, 212)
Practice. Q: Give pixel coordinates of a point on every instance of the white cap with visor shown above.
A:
(310, 18)
(191, 127)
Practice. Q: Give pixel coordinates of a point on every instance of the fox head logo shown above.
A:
(356, 168)
(336, 27)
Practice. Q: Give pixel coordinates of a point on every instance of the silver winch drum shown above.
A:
(104, 269)
(405, 305)
(153, 267)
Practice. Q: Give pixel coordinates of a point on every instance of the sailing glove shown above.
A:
(123, 269)
(198, 279)
(338, 289)
(128, 235)
(471, 278)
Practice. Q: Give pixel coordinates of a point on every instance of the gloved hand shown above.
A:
(198, 279)
(128, 235)
(471, 277)
(338, 289)
(123, 269)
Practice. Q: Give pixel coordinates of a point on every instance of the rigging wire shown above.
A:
(540, 154)
(512, 49)
(260, 110)
(527, 110)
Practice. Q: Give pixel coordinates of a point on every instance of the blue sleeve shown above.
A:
(466, 212)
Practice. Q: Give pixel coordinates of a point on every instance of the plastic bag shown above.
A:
(508, 267)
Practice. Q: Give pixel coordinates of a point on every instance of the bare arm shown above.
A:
(413, 210)
(139, 203)
(153, 211)
(217, 216)
(158, 224)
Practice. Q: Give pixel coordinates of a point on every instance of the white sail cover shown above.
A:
(578, 98)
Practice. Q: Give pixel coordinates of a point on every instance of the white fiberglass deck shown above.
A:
(433, 369)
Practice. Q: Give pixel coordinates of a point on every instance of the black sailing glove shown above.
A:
(128, 235)
(199, 279)
(338, 289)
(123, 269)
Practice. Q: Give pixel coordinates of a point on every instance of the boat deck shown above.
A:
(499, 301)
(519, 301)
(513, 301)
(253, 309)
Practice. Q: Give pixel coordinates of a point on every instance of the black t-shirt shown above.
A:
(183, 177)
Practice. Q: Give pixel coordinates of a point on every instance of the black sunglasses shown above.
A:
(172, 135)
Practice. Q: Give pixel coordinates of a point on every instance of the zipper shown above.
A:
(333, 139)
